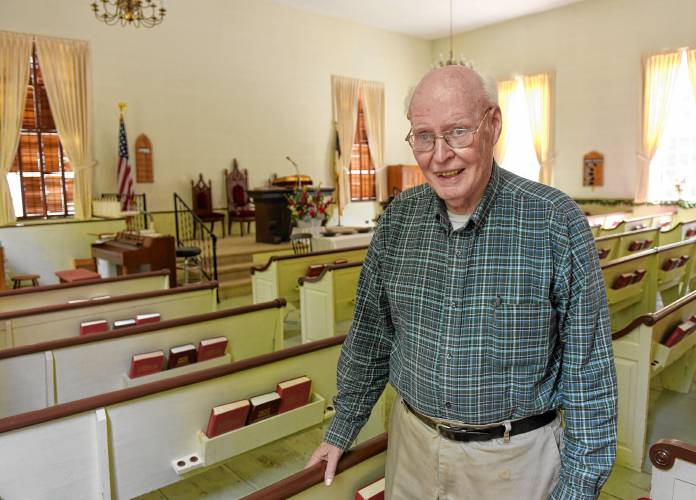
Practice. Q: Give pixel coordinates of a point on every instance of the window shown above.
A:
(673, 167)
(41, 179)
(361, 175)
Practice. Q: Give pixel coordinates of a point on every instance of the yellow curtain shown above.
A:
(658, 82)
(65, 65)
(15, 50)
(373, 107)
(538, 94)
(691, 56)
(505, 91)
(344, 93)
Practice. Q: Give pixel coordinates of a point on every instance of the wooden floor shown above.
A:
(671, 416)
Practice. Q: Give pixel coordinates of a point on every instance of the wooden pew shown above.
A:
(674, 470)
(357, 467)
(637, 223)
(639, 356)
(675, 266)
(680, 231)
(278, 277)
(129, 442)
(41, 375)
(327, 299)
(626, 243)
(31, 326)
(28, 298)
(630, 300)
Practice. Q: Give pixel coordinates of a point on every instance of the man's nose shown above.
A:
(442, 150)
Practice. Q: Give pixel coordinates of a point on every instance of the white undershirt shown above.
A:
(458, 220)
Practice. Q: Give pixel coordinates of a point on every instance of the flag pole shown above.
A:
(121, 107)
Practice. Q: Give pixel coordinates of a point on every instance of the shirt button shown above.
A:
(458, 253)
(449, 355)
(453, 303)
(448, 405)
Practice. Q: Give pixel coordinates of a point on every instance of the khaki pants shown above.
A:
(422, 465)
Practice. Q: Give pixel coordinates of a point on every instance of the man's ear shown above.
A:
(496, 124)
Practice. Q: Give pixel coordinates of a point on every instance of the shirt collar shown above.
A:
(478, 218)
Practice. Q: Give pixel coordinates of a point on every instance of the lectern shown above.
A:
(273, 223)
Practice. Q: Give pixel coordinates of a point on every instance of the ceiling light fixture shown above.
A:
(147, 13)
(451, 61)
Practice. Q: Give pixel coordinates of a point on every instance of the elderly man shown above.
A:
(481, 300)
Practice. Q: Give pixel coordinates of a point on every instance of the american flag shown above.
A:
(125, 174)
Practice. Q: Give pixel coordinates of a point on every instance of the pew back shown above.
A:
(278, 277)
(633, 299)
(31, 326)
(30, 298)
(675, 263)
(150, 427)
(50, 373)
(674, 470)
(327, 299)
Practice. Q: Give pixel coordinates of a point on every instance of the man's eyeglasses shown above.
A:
(457, 138)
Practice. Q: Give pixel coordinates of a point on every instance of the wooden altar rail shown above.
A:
(674, 470)
(42, 375)
(639, 356)
(126, 443)
(278, 277)
(61, 293)
(357, 467)
(41, 324)
(328, 299)
(640, 298)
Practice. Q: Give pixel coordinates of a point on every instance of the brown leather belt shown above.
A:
(473, 434)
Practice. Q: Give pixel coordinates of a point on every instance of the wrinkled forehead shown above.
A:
(459, 92)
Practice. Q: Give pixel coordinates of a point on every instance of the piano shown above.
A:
(131, 252)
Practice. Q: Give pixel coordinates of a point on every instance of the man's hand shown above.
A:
(330, 454)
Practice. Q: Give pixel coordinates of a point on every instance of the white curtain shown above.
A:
(15, 50)
(373, 108)
(65, 65)
(506, 89)
(537, 90)
(344, 93)
(659, 78)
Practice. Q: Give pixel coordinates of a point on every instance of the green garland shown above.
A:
(630, 202)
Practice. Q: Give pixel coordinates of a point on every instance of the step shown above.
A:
(235, 287)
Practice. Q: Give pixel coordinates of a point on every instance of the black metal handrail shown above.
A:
(138, 203)
(188, 226)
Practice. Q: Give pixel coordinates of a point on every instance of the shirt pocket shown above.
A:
(520, 335)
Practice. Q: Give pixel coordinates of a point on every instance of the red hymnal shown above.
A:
(143, 319)
(670, 264)
(373, 491)
(314, 270)
(638, 275)
(263, 406)
(211, 348)
(690, 233)
(647, 243)
(98, 326)
(293, 393)
(622, 280)
(636, 245)
(679, 333)
(123, 323)
(146, 363)
(181, 355)
(603, 253)
(227, 417)
(683, 259)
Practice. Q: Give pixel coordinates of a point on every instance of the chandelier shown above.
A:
(451, 61)
(147, 13)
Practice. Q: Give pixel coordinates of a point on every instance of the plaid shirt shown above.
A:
(502, 319)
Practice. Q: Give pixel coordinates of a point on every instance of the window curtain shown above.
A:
(538, 93)
(65, 65)
(373, 108)
(506, 89)
(659, 77)
(691, 57)
(344, 93)
(15, 51)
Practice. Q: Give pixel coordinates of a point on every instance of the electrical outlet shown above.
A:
(187, 464)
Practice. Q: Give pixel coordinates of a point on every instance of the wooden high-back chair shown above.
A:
(202, 198)
(239, 206)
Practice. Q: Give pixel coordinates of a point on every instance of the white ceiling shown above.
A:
(425, 19)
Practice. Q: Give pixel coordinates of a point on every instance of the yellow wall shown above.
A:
(220, 79)
(594, 48)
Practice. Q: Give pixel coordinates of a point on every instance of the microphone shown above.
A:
(297, 169)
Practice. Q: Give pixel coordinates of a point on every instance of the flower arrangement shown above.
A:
(306, 205)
